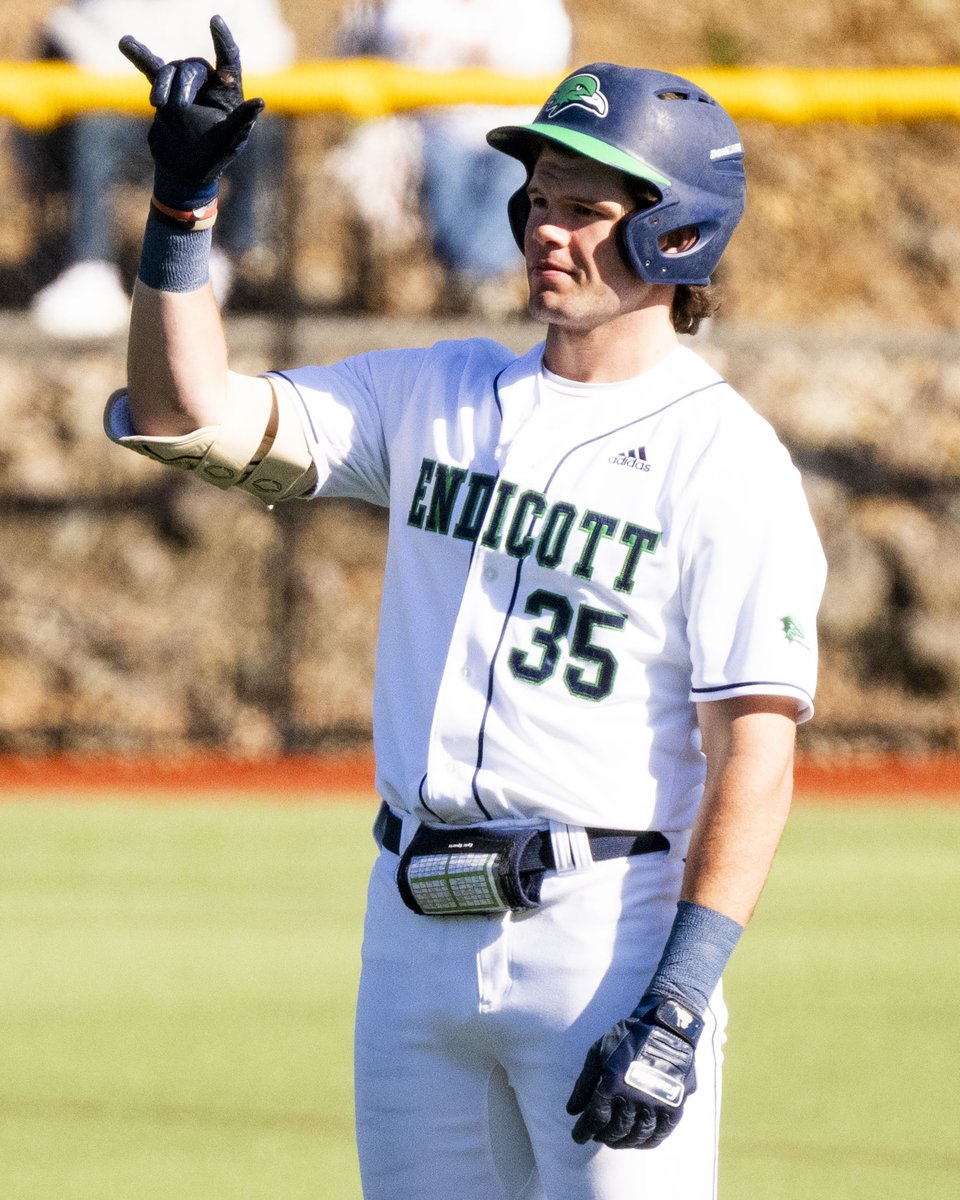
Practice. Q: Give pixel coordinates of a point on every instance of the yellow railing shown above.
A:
(41, 94)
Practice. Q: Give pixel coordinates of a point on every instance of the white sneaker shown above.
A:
(86, 301)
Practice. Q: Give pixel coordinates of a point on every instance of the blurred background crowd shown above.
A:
(403, 214)
(423, 181)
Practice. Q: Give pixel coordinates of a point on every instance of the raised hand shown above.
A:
(202, 121)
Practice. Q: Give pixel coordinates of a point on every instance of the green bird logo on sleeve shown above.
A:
(793, 630)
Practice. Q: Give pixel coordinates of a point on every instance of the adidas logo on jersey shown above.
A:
(637, 459)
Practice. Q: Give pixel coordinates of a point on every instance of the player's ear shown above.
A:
(679, 241)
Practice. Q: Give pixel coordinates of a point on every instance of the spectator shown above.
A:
(464, 184)
(88, 298)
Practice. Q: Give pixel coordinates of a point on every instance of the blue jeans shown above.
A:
(104, 149)
(465, 191)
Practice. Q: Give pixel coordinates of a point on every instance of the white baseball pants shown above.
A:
(471, 1031)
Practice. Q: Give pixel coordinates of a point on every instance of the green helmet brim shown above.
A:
(515, 140)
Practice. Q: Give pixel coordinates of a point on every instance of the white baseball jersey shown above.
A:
(570, 568)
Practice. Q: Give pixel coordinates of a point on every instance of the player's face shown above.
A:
(578, 278)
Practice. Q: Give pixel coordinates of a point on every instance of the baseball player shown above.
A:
(597, 638)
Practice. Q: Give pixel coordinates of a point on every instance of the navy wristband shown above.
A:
(174, 260)
(697, 950)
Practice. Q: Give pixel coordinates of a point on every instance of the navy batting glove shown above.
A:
(637, 1077)
(202, 121)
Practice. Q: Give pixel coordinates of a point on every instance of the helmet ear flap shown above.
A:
(518, 211)
(627, 239)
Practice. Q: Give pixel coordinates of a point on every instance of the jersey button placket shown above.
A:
(462, 697)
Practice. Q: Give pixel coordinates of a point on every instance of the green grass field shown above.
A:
(176, 994)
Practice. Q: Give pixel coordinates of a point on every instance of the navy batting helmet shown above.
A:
(655, 127)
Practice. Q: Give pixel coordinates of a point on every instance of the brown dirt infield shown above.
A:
(311, 778)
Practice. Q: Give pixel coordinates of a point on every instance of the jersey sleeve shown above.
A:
(753, 578)
(347, 410)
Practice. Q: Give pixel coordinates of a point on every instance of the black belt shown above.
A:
(604, 843)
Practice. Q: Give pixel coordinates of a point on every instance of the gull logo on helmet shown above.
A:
(579, 91)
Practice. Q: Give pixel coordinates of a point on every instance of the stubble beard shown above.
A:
(573, 309)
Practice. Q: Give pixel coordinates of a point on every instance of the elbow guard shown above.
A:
(236, 453)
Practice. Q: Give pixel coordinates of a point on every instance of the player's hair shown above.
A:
(692, 303)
